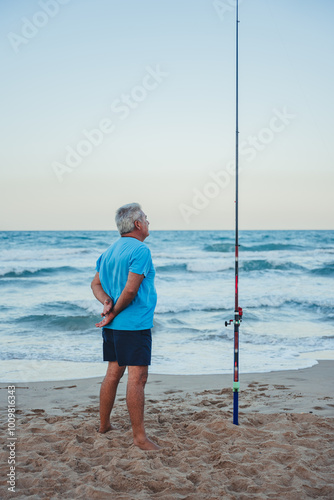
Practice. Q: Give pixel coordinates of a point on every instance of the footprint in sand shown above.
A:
(36, 430)
(65, 387)
(225, 391)
(53, 420)
(84, 439)
(205, 402)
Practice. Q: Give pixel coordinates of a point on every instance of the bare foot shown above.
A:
(146, 444)
(103, 430)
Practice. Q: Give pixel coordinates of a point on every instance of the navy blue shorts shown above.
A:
(127, 347)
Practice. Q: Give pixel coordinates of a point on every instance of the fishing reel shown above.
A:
(227, 323)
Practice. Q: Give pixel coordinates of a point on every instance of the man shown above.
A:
(124, 284)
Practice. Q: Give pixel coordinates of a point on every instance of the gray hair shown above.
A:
(126, 217)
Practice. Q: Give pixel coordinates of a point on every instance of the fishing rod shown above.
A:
(237, 310)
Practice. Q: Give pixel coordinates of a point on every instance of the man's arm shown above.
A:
(101, 295)
(128, 294)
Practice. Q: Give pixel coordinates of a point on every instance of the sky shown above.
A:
(108, 102)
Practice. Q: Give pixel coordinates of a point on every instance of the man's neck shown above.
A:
(134, 234)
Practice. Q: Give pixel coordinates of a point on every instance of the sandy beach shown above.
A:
(283, 447)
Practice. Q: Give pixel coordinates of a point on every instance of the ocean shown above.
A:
(48, 311)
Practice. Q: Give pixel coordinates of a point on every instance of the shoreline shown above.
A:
(56, 369)
(301, 390)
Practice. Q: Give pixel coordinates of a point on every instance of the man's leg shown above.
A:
(135, 399)
(108, 394)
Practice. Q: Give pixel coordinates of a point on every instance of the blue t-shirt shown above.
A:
(129, 254)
